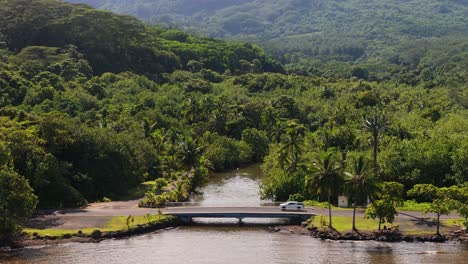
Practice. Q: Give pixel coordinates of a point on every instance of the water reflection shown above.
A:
(232, 188)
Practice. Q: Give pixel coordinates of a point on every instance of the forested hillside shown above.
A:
(93, 103)
(411, 41)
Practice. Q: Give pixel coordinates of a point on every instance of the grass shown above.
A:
(322, 205)
(411, 205)
(344, 223)
(117, 223)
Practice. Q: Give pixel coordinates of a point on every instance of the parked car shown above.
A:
(292, 206)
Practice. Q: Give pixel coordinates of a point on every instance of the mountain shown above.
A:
(321, 36)
(117, 43)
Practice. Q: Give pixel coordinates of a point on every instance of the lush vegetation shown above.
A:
(412, 41)
(93, 104)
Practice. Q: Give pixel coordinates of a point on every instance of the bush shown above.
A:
(17, 202)
(159, 184)
(225, 153)
(296, 197)
(152, 200)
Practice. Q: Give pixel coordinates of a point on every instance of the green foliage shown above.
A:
(412, 205)
(296, 197)
(382, 209)
(138, 48)
(385, 206)
(257, 141)
(17, 202)
(326, 179)
(360, 183)
(441, 199)
(410, 41)
(224, 152)
(459, 196)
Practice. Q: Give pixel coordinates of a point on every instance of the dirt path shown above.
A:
(94, 215)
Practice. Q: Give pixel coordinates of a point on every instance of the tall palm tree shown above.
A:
(326, 179)
(360, 182)
(376, 123)
(292, 146)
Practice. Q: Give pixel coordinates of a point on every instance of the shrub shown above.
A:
(296, 197)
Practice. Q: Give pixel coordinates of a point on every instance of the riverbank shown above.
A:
(119, 227)
(381, 236)
(403, 230)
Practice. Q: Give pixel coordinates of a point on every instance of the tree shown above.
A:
(459, 195)
(181, 191)
(384, 207)
(376, 122)
(148, 127)
(258, 141)
(190, 153)
(292, 146)
(17, 201)
(326, 179)
(360, 183)
(440, 198)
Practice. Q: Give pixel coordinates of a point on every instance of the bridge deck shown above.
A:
(236, 212)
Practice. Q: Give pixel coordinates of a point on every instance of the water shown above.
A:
(221, 242)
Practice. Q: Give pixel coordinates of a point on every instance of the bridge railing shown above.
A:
(224, 204)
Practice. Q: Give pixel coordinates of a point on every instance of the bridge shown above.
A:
(186, 214)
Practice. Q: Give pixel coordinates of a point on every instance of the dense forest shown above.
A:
(410, 41)
(93, 104)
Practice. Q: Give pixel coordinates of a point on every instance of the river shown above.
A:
(222, 241)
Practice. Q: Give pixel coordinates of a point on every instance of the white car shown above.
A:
(292, 206)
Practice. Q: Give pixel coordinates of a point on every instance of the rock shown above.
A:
(96, 234)
(66, 236)
(438, 239)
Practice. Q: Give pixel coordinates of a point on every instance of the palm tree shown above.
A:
(375, 123)
(190, 153)
(180, 192)
(192, 110)
(148, 127)
(326, 179)
(292, 146)
(360, 183)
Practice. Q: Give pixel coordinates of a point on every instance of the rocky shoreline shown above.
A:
(324, 234)
(96, 236)
(382, 235)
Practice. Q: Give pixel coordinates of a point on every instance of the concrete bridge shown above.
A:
(186, 214)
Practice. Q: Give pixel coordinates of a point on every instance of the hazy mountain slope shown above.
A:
(282, 18)
(322, 34)
(113, 42)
